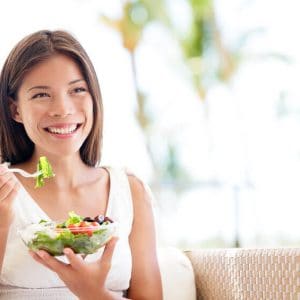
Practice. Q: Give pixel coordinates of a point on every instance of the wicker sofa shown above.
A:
(236, 274)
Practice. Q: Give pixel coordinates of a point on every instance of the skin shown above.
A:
(49, 98)
(9, 187)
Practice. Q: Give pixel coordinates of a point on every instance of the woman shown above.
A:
(51, 106)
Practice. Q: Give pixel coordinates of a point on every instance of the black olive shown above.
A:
(107, 219)
(99, 219)
(88, 219)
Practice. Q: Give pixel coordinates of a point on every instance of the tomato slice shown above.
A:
(75, 229)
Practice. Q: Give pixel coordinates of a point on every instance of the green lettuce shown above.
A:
(79, 243)
(46, 171)
(73, 219)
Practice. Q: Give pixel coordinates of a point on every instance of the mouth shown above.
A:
(64, 129)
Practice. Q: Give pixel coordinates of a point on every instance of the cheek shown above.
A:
(29, 125)
(29, 117)
(90, 110)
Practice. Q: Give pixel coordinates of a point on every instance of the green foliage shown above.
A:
(200, 29)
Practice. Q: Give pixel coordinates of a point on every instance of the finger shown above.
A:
(39, 259)
(5, 178)
(7, 202)
(75, 260)
(108, 253)
(51, 262)
(8, 193)
(3, 168)
(7, 187)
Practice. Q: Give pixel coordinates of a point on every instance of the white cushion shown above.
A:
(177, 274)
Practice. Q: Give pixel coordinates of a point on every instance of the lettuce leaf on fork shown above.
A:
(45, 169)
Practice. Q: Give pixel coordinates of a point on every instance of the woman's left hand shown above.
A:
(85, 280)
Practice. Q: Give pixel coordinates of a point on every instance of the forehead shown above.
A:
(58, 68)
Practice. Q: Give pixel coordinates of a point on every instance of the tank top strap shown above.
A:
(120, 207)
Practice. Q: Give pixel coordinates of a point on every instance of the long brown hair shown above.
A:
(15, 145)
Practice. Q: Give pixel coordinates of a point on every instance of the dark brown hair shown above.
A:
(15, 145)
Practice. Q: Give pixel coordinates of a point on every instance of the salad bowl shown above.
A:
(82, 235)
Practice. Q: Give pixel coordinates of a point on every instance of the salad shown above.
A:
(82, 235)
(45, 170)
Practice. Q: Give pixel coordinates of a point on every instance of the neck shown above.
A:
(69, 171)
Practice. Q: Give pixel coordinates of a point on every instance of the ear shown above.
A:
(14, 111)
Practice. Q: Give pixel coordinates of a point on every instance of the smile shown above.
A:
(66, 129)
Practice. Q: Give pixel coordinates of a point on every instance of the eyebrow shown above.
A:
(75, 81)
(44, 87)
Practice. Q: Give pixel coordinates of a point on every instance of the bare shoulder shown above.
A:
(143, 222)
(141, 194)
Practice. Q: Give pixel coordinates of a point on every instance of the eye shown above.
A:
(79, 90)
(40, 95)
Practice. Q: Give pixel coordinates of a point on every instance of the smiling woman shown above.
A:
(50, 105)
(34, 86)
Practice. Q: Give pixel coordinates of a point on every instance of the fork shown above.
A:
(22, 172)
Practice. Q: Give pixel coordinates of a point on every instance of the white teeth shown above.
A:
(64, 130)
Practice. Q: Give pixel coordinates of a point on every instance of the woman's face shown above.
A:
(55, 106)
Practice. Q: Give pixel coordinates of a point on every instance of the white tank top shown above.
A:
(23, 278)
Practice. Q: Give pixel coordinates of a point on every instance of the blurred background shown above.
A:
(201, 101)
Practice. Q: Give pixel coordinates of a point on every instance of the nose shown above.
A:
(61, 106)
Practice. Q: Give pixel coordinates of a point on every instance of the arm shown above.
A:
(8, 190)
(145, 280)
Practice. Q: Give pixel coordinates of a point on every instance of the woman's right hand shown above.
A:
(9, 187)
